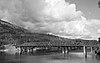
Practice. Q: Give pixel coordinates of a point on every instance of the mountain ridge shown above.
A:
(12, 34)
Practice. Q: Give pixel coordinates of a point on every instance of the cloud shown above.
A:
(60, 10)
(49, 16)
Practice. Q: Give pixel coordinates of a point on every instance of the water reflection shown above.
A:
(45, 57)
(97, 57)
(9, 58)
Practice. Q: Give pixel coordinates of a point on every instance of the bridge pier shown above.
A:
(65, 50)
(85, 51)
(91, 49)
(29, 49)
(26, 49)
(22, 49)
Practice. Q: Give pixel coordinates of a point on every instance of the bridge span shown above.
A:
(64, 45)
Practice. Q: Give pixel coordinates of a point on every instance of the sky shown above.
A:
(66, 18)
(88, 7)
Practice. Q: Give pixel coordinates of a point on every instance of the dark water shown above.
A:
(45, 58)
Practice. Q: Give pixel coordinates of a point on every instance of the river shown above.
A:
(45, 58)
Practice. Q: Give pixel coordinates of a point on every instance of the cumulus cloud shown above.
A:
(49, 16)
(60, 10)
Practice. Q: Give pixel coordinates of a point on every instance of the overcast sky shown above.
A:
(88, 7)
(67, 18)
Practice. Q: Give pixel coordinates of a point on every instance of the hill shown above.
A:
(12, 34)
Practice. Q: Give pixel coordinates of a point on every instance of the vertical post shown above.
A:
(19, 49)
(28, 49)
(85, 51)
(91, 50)
(65, 51)
(23, 49)
(32, 49)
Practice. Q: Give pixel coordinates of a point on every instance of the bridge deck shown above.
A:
(62, 43)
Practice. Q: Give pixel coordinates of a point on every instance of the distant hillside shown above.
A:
(9, 31)
(12, 34)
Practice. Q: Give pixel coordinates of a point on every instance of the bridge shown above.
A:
(63, 44)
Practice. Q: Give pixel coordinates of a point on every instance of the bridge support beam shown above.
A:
(91, 49)
(85, 51)
(65, 50)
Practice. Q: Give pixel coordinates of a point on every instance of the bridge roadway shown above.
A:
(64, 45)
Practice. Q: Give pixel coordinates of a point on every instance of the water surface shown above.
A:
(45, 58)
